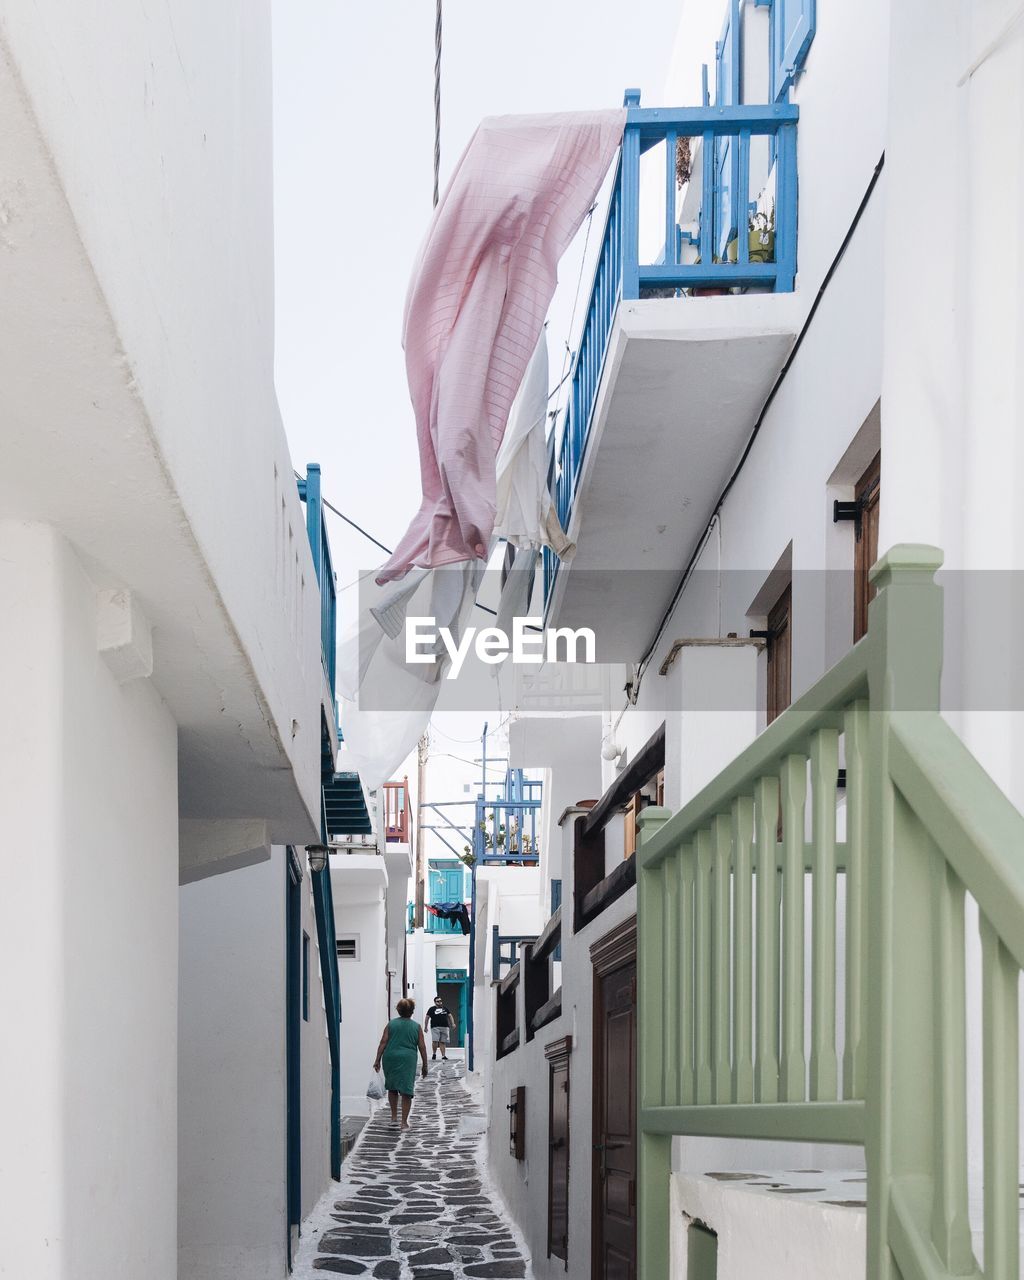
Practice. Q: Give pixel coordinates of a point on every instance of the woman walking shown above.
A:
(401, 1041)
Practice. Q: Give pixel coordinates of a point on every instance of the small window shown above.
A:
(780, 655)
(348, 947)
(305, 977)
(866, 495)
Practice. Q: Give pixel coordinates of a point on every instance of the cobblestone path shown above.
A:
(414, 1206)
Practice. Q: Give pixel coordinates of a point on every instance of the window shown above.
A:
(793, 23)
(780, 655)
(348, 947)
(866, 496)
(305, 976)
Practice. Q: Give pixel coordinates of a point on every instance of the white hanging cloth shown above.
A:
(386, 703)
(526, 515)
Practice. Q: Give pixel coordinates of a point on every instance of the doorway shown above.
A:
(293, 1041)
(452, 987)
(614, 1169)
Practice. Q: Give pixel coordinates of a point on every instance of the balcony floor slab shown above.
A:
(683, 383)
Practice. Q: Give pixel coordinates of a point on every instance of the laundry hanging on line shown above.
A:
(457, 911)
(480, 292)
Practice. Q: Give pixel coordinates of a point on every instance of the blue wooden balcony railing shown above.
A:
(506, 833)
(309, 492)
(505, 950)
(723, 255)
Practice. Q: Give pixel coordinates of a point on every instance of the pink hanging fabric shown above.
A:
(476, 305)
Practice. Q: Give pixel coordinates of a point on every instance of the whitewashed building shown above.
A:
(370, 886)
(777, 384)
(170, 1093)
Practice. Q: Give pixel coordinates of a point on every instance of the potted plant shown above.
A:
(760, 238)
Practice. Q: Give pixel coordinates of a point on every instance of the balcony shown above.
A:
(677, 356)
(396, 812)
(505, 834)
(831, 986)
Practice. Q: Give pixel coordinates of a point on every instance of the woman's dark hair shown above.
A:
(404, 1008)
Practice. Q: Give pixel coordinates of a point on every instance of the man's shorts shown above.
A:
(439, 1035)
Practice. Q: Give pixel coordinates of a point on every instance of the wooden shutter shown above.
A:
(557, 1055)
(727, 213)
(793, 24)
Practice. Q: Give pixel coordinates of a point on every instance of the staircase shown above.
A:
(725, 887)
(345, 811)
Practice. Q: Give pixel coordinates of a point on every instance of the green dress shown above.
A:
(400, 1054)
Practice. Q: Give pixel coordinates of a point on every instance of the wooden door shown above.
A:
(780, 655)
(614, 1174)
(867, 495)
(557, 1055)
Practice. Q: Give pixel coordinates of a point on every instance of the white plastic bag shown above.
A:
(375, 1089)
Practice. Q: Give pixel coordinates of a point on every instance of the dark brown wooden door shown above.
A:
(780, 655)
(614, 1240)
(558, 1150)
(867, 495)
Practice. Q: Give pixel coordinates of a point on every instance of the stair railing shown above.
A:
(723, 1046)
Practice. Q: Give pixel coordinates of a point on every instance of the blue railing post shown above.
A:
(630, 180)
(786, 205)
(310, 492)
(314, 515)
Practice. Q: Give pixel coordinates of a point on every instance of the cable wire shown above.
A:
(437, 103)
(634, 688)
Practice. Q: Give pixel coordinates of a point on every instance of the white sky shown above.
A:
(353, 184)
(353, 158)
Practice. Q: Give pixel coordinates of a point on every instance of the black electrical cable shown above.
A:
(702, 542)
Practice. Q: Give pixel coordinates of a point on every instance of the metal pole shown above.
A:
(421, 787)
(472, 921)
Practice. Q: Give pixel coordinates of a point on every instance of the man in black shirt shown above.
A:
(441, 1023)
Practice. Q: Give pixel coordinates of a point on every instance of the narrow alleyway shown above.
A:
(413, 1205)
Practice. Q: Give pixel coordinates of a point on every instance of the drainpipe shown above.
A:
(472, 909)
(419, 913)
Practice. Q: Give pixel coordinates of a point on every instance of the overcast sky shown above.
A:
(353, 162)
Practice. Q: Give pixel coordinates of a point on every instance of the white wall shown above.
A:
(88, 936)
(954, 402)
(232, 1136)
(314, 1068)
(138, 363)
(360, 910)
(524, 1185)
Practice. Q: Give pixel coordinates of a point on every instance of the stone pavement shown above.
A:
(416, 1208)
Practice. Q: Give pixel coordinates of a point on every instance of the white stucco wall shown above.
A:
(360, 910)
(525, 1185)
(138, 362)
(88, 936)
(232, 1136)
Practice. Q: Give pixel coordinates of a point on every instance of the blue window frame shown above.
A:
(727, 94)
(792, 30)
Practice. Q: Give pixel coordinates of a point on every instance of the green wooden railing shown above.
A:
(722, 943)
